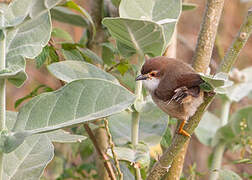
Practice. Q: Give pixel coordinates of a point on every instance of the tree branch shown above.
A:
(238, 43)
(207, 35)
(103, 156)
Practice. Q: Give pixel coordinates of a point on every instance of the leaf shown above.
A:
(15, 71)
(77, 102)
(74, 6)
(239, 90)
(139, 155)
(60, 33)
(153, 123)
(127, 175)
(189, 6)
(90, 56)
(163, 12)
(239, 126)
(30, 37)
(228, 175)
(72, 54)
(62, 136)
(108, 53)
(142, 35)
(217, 82)
(72, 70)
(29, 160)
(65, 15)
(41, 58)
(207, 128)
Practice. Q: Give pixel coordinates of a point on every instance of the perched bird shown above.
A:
(174, 87)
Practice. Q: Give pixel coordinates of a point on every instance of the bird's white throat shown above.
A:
(151, 84)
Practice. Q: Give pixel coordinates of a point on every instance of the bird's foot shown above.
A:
(181, 130)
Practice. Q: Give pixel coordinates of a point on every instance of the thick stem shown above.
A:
(219, 149)
(2, 95)
(207, 35)
(138, 174)
(135, 128)
(238, 43)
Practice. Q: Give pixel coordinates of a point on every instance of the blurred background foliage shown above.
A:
(71, 40)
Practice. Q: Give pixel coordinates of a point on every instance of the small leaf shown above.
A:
(53, 56)
(73, 5)
(90, 56)
(65, 15)
(189, 6)
(60, 33)
(123, 67)
(228, 175)
(72, 54)
(41, 58)
(108, 53)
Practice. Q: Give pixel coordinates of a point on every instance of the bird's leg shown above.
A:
(181, 130)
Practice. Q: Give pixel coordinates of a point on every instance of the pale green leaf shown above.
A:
(163, 12)
(142, 35)
(90, 55)
(65, 15)
(72, 54)
(153, 123)
(60, 33)
(77, 102)
(15, 71)
(62, 136)
(139, 155)
(207, 128)
(228, 175)
(29, 160)
(29, 38)
(72, 70)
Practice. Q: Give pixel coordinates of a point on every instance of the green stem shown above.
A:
(135, 128)
(138, 174)
(238, 43)
(2, 96)
(219, 149)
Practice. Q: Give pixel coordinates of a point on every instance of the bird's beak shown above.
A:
(142, 77)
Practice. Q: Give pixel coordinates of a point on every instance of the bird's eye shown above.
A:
(152, 74)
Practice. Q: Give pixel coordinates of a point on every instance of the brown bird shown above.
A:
(174, 87)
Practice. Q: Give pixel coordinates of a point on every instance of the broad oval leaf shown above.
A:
(153, 123)
(207, 128)
(77, 102)
(72, 70)
(163, 12)
(29, 160)
(142, 35)
(228, 175)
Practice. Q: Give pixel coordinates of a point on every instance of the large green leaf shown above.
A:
(228, 175)
(142, 35)
(62, 136)
(207, 128)
(239, 126)
(153, 123)
(163, 12)
(77, 102)
(29, 159)
(72, 70)
(239, 90)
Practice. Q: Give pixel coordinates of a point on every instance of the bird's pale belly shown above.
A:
(180, 111)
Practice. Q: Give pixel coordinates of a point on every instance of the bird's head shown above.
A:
(152, 72)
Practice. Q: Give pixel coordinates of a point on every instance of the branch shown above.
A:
(238, 43)
(207, 35)
(103, 156)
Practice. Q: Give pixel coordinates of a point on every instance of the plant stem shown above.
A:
(138, 174)
(238, 43)
(135, 128)
(219, 149)
(207, 35)
(2, 95)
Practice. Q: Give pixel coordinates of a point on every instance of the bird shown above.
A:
(174, 87)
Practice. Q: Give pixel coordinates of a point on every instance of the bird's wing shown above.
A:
(180, 87)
